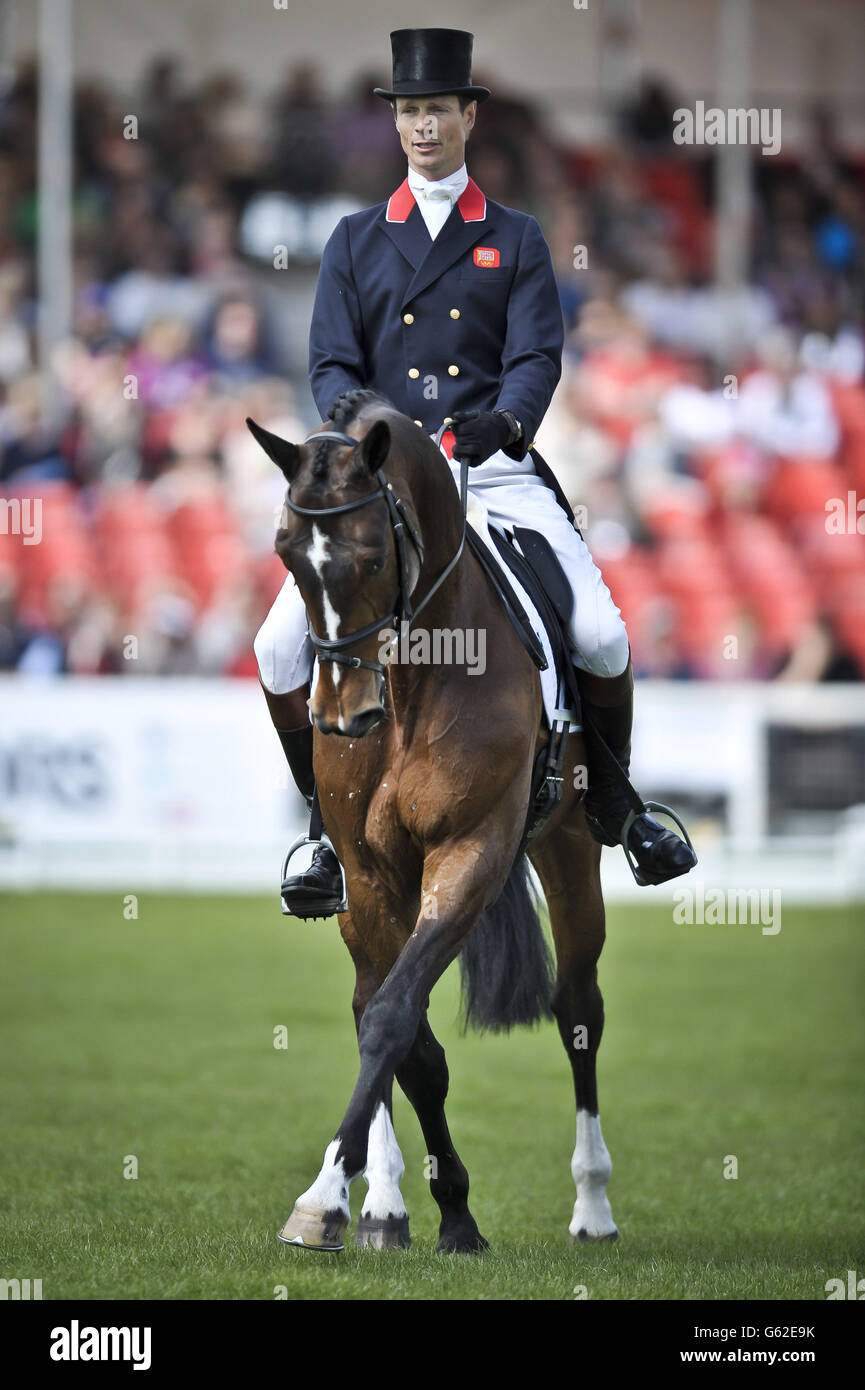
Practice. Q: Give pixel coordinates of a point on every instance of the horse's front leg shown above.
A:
(321, 1214)
(458, 884)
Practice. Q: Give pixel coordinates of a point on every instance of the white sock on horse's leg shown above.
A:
(384, 1169)
(329, 1192)
(591, 1167)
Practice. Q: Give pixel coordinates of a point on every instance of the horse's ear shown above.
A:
(286, 456)
(376, 445)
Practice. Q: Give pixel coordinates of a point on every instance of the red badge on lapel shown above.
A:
(487, 255)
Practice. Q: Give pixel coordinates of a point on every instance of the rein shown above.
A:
(333, 648)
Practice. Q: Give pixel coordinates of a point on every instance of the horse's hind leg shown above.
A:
(568, 864)
(423, 1076)
(383, 1222)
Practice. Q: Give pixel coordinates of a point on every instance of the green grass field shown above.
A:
(154, 1038)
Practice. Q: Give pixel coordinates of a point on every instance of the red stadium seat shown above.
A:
(693, 566)
(802, 488)
(193, 519)
(676, 513)
(126, 509)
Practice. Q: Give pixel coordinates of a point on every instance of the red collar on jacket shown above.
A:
(472, 203)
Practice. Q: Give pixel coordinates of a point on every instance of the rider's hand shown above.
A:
(478, 434)
(348, 401)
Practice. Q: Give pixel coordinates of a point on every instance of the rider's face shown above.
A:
(433, 132)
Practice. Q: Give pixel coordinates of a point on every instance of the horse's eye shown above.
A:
(374, 566)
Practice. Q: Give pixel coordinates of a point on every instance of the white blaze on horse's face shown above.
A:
(317, 554)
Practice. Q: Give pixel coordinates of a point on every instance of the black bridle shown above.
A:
(333, 648)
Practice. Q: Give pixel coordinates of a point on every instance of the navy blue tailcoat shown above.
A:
(470, 320)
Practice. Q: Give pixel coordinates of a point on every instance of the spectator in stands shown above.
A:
(303, 157)
(164, 626)
(12, 635)
(781, 408)
(694, 319)
(647, 119)
(254, 488)
(368, 167)
(235, 347)
(15, 358)
(165, 366)
(567, 238)
(29, 451)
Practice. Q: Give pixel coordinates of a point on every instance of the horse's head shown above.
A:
(336, 537)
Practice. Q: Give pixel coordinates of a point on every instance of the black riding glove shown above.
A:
(349, 401)
(478, 434)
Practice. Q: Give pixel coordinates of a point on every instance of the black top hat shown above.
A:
(427, 61)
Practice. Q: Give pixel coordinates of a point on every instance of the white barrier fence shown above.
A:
(124, 783)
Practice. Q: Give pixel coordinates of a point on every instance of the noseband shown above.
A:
(333, 648)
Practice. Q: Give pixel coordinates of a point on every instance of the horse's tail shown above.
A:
(506, 968)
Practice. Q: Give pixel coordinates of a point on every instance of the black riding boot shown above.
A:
(317, 891)
(609, 705)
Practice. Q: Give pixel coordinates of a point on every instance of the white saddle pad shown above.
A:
(476, 514)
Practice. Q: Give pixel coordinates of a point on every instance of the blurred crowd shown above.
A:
(703, 435)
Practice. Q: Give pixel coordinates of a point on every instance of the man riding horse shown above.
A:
(446, 303)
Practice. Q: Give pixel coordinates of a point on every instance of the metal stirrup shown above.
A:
(323, 839)
(626, 829)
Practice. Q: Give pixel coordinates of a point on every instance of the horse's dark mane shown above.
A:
(343, 414)
(349, 405)
(415, 448)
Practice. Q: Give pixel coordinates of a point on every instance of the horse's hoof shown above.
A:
(584, 1237)
(383, 1233)
(315, 1230)
(462, 1245)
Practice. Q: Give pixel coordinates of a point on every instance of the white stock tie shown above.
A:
(436, 200)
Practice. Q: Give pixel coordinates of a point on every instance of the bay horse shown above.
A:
(423, 777)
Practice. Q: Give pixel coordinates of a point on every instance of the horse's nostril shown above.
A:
(361, 723)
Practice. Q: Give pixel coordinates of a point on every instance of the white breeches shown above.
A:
(513, 494)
